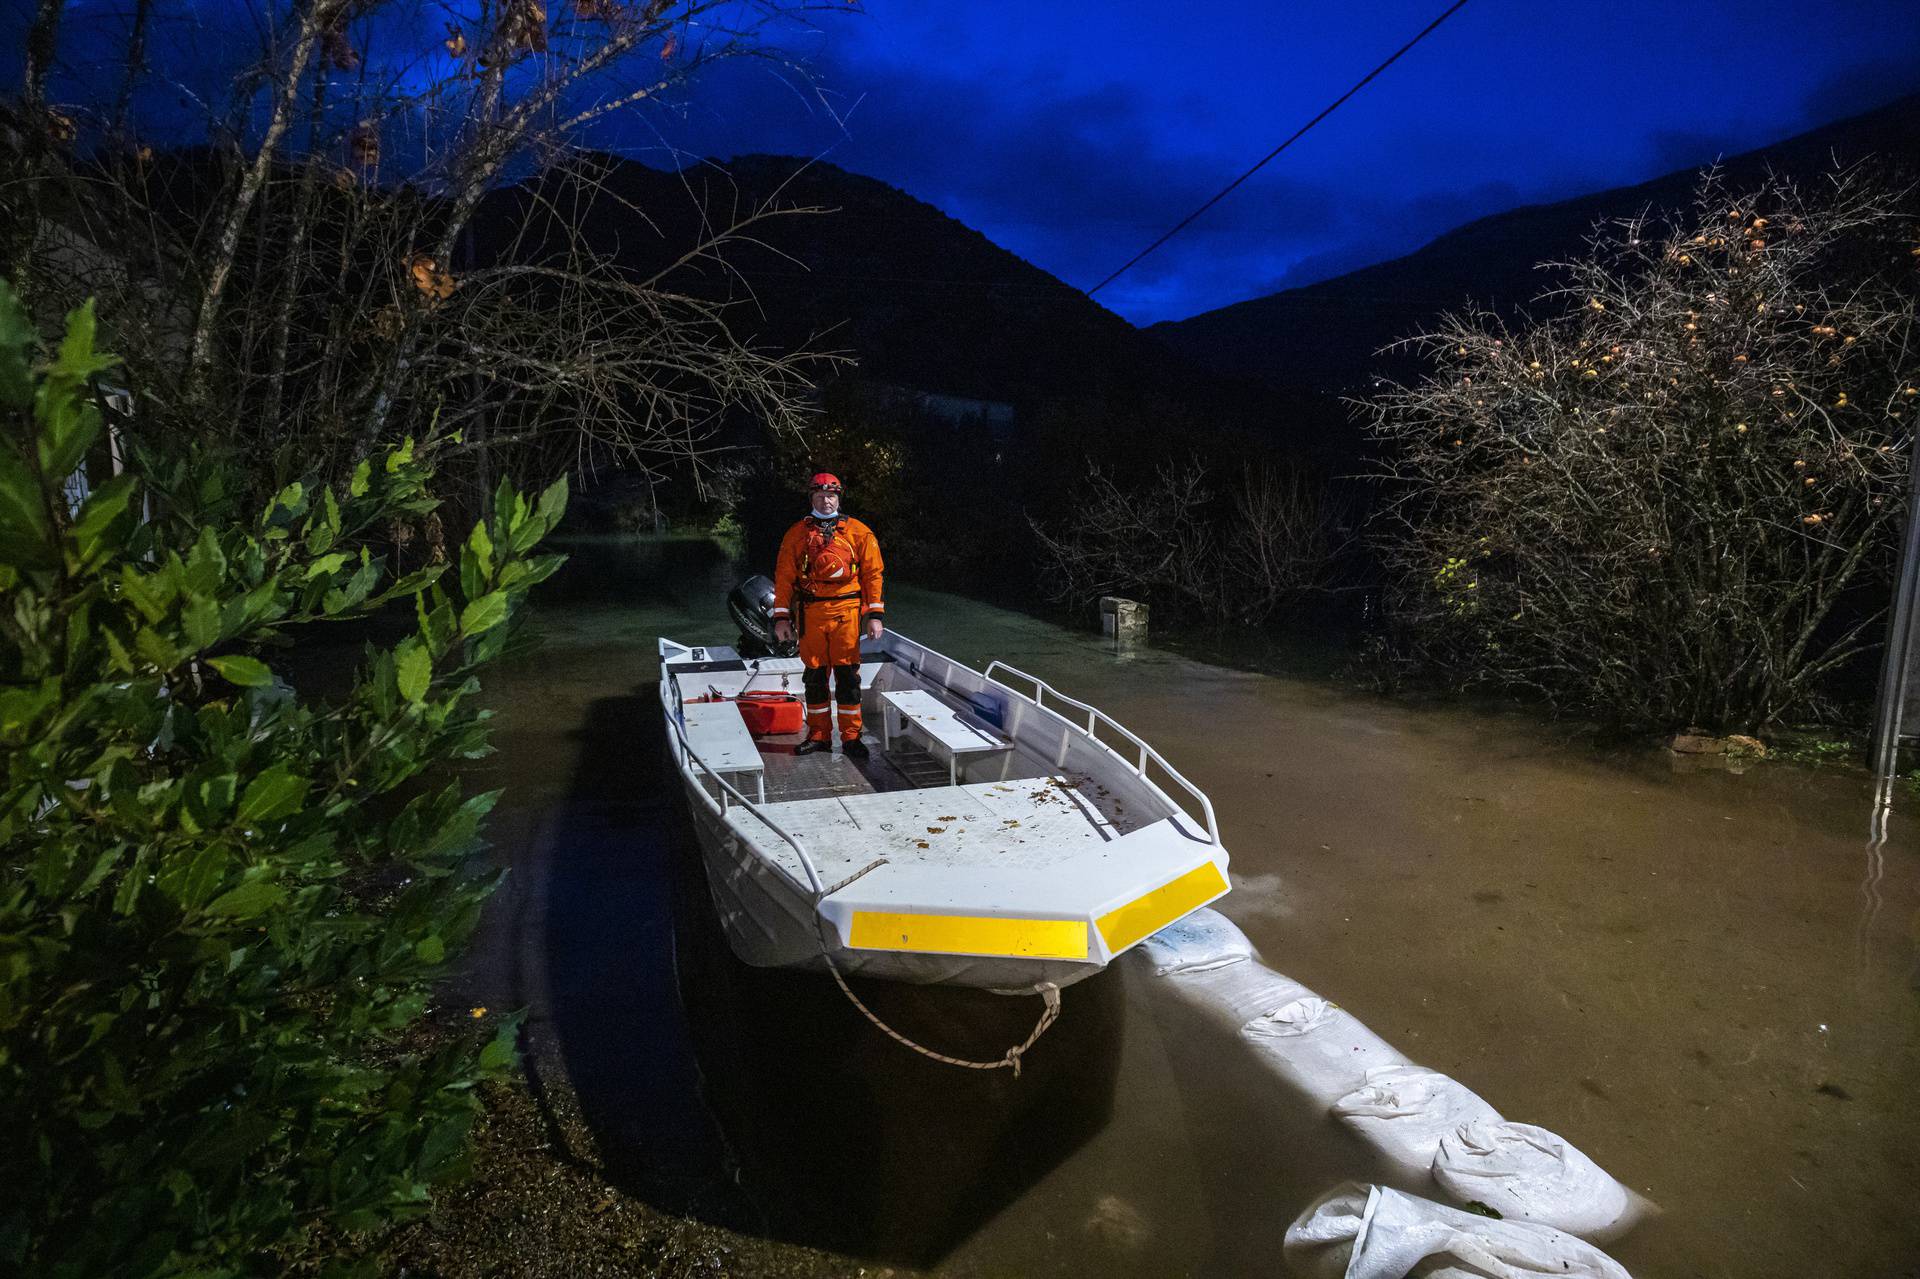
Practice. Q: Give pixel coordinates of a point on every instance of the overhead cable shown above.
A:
(1227, 190)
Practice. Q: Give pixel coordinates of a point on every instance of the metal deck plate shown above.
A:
(827, 773)
(1023, 825)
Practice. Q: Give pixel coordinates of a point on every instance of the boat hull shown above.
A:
(770, 922)
(1046, 853)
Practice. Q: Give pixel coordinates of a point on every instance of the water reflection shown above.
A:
(612, 900)
(848, 1142)
(1870, 898)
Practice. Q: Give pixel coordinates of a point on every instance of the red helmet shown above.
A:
(826, 481)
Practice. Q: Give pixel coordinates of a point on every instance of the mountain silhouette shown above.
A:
(920, 300)
(1328, 336)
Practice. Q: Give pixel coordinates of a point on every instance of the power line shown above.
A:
(1227, 190)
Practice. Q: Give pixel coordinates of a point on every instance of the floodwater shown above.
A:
(1706, 980)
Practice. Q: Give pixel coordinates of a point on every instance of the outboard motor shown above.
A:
(751, 605)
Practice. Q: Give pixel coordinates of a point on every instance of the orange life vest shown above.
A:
(828, 560)
(828, 564)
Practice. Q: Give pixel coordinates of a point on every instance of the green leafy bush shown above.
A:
(224, 905)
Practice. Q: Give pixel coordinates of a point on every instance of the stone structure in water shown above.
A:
(1123, 622)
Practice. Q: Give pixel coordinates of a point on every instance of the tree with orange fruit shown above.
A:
(1673, 501)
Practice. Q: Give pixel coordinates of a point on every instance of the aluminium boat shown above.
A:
(999, 834)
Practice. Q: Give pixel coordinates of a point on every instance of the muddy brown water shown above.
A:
(1708, 981)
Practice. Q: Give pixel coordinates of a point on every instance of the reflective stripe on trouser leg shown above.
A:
(846, 696)
(819, 710)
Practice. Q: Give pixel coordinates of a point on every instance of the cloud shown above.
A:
(1076, 180)
(1077, 143)
(1080, 175)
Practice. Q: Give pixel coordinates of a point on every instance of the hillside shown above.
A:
(919, 299)
(1325, 336)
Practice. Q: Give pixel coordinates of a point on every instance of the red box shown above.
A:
(770, 714)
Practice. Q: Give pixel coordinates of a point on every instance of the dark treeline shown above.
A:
(985, 396)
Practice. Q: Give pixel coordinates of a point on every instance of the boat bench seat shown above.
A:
(927, 720)
(717, 732)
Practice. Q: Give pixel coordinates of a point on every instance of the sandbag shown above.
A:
(1321, 1059)
(1318, 1045)
(1228, 997)
(1526, 1173)
(1200, 943)
(1314, 1047)
(1402, 1112)
(1372, 1232)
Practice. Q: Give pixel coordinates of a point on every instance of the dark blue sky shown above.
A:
(1075, 132)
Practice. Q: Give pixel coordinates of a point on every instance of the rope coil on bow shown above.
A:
(1048, 991)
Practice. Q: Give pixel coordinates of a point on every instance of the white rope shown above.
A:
(1049, 992)
(873, 865)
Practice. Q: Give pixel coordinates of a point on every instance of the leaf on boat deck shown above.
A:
(944, 818)
(935, 830)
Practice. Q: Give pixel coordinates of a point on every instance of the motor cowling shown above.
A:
(751, 606)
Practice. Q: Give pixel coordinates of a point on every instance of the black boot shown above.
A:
(812, 744)
(853, 748)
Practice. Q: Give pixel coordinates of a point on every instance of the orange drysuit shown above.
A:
(827, 582)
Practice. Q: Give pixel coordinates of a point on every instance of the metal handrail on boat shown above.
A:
(1095, 714)
(792, 841)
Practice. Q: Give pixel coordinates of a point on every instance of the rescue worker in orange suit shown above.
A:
(827, 587)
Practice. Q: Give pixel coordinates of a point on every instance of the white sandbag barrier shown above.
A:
(1427, 1133)
(1373, 1232)
(1200, 943)
(1529, 1174)
(1405, 1112)
(1319, 1045)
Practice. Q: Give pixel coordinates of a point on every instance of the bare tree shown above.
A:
(313, 283)
(1673, 502)
(1174, 541)
(1147, 542)
(1285, 536)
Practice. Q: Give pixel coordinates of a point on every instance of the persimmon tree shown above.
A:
(1674, 501)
